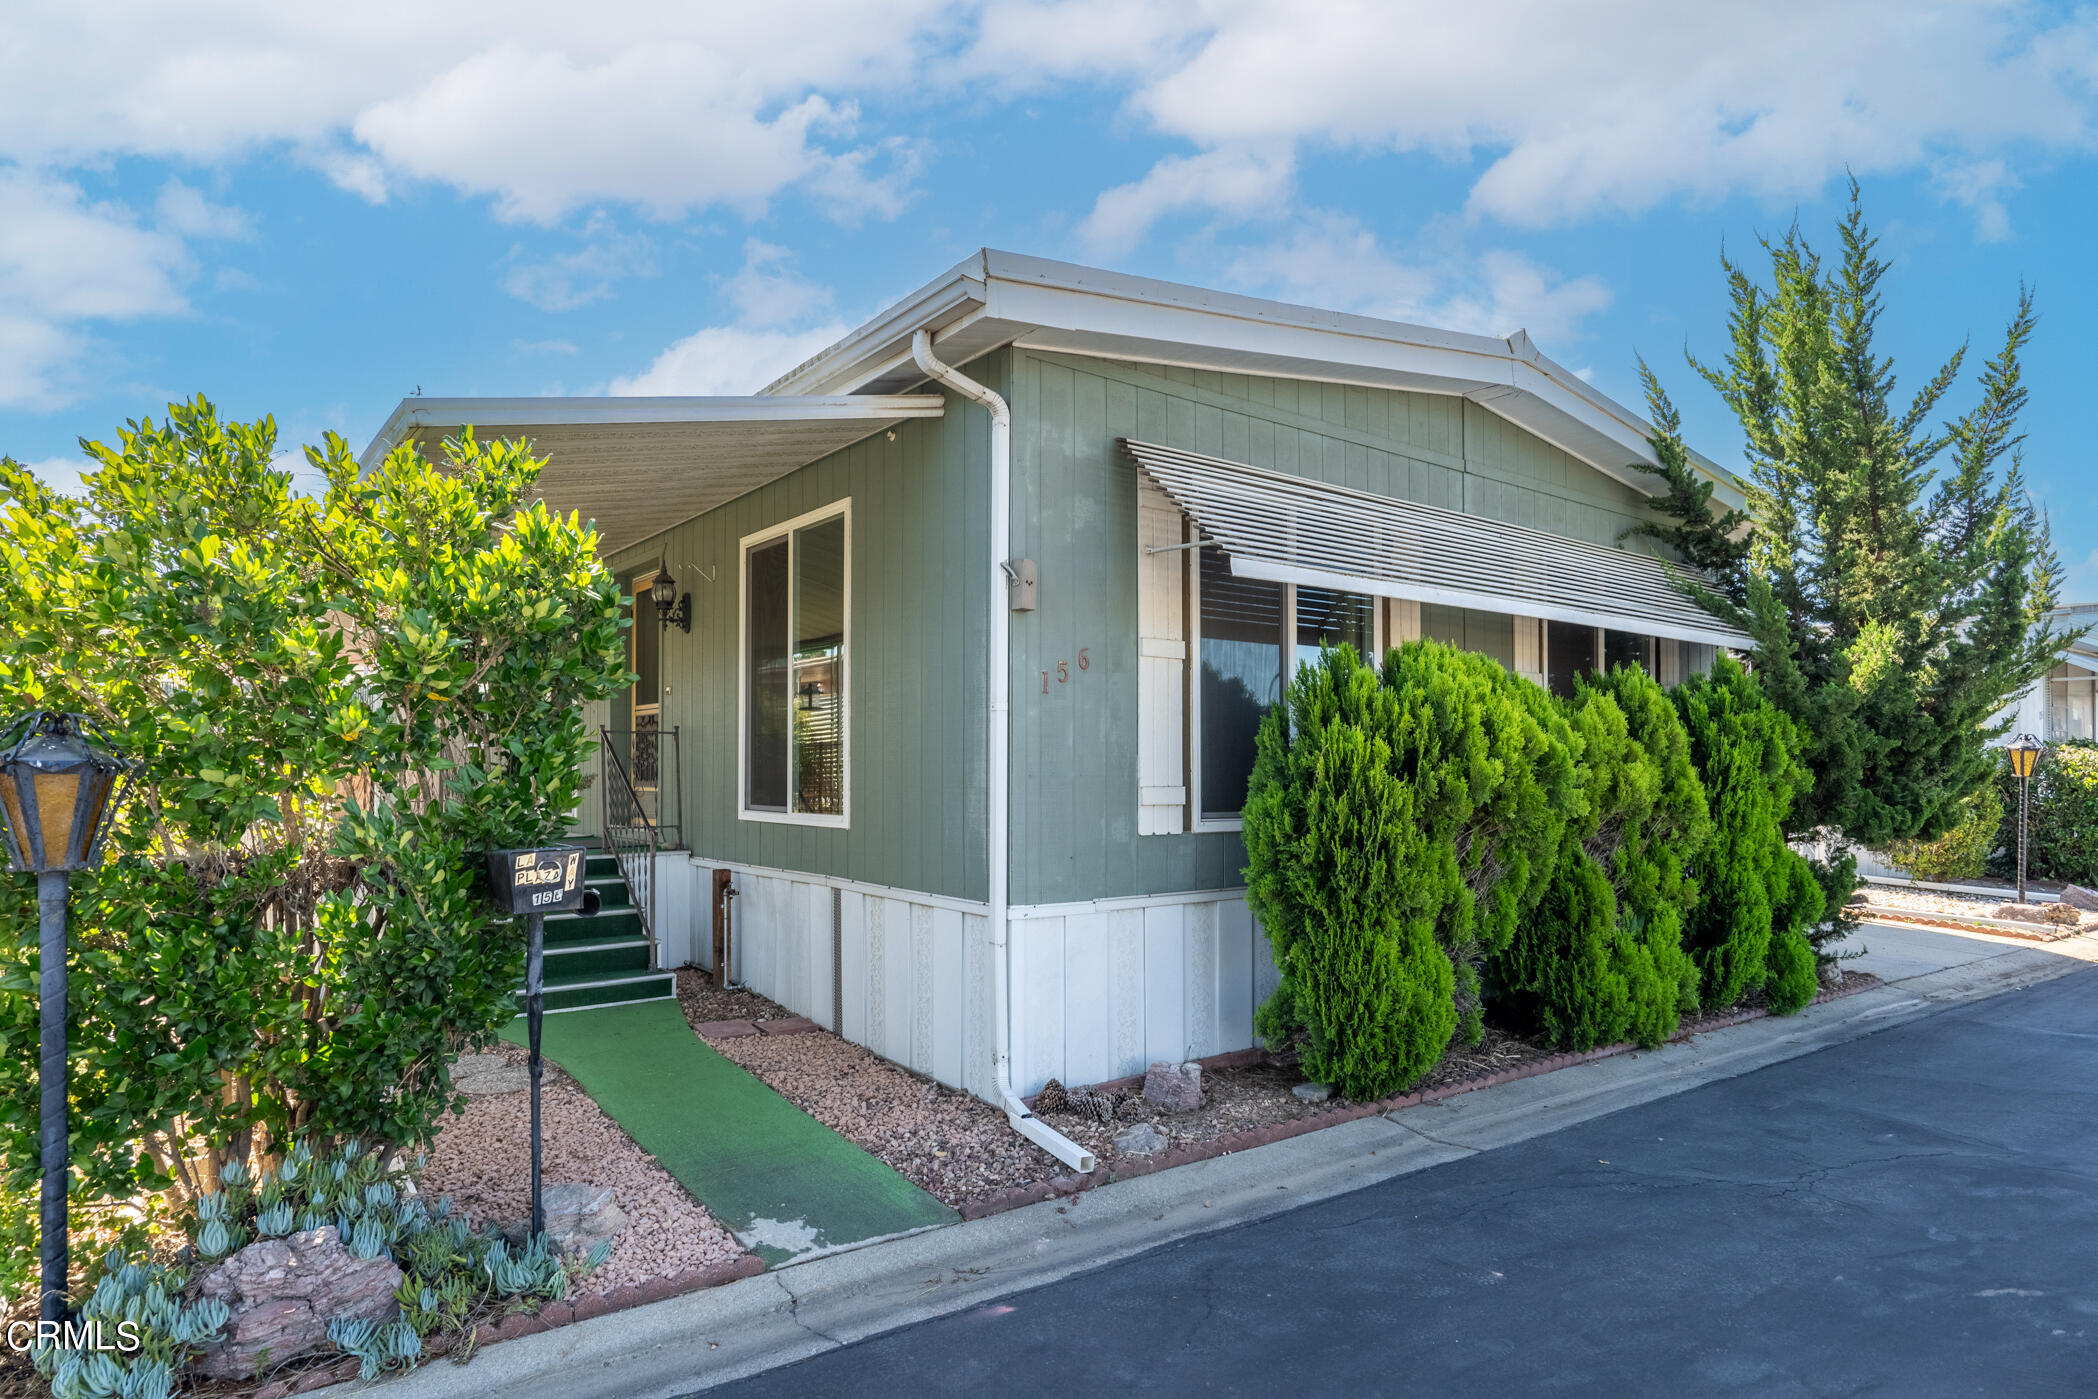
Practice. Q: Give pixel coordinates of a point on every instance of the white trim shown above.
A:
(416, 414)
(1123, 902)
(840, 508)
(975, 907)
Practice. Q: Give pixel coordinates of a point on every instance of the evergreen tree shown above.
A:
(1895, 576)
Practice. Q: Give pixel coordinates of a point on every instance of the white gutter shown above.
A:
(998, 778)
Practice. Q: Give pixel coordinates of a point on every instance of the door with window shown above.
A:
(639, 747)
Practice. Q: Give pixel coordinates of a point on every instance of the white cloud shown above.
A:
(1335, 263)
(568, 280)
(544, 347)
(772, 332)
(663, 105)
(181, 209)
(67, 263)
(1982, 186)
(1580, 111)
(1243, 184)
(61, 474)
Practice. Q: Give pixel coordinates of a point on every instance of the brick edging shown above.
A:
(1073, 1183)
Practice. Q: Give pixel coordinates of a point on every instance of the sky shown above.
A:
(313, 211)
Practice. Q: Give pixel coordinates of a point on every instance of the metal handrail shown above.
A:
(632, 835)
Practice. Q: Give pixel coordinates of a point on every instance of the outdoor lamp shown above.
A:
(58, 790)
(670, 608)
(2025, 756)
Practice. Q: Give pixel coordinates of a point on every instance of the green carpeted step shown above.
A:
(581, 990)
(784, 1183)
(574, 927)
(601, 867)
(611, 893)
(621, 954)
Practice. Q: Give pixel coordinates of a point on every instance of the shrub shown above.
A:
(1962, 852)
(1602, 959)
(134, 1301)
(1756, 888)
(334, 702)
(2062, 818)
(1398, 826)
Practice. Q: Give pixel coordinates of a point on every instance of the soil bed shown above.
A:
(482, 1160)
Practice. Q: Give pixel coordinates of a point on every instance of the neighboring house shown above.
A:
(967, 702)
(2061, 706)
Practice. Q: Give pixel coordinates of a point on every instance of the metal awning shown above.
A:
(1291, 530)
(637, 466)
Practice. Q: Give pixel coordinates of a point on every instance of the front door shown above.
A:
(645, 708)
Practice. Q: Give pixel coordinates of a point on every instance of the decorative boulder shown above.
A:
(2060, 915)
(578, 1217)
(284, 1292)
(1174, 1087)
(1141, 1140)
(2076, 896)
(484, 1075)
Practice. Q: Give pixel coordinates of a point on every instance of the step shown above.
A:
(601, 867)
(606, 955)
(574, 927)
(578, 992)
(611, 892)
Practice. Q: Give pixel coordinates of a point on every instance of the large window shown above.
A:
(796, 617)
(1246, 629)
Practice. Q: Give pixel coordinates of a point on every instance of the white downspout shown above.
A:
(998, 778)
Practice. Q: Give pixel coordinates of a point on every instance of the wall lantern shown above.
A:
(670, 608)
(2025, 756)
(58, 790)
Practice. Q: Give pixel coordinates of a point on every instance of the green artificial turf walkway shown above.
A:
(784, 1183)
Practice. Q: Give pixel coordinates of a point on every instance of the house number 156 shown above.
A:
(1063, 669)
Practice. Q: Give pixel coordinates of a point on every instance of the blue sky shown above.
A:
(312, 213)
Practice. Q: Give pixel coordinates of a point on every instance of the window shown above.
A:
(1242, 627)
(1628, 648)
(796, 617)
(1569, 651)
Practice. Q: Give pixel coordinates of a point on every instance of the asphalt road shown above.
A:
(1914, 1213)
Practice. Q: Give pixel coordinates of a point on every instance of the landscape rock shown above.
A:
(578, 1217)
(2076, 896)
(1313, 1092)
(2061, 915)
(1141, 1140)
(284, 1292)
(1174, 1087)
(483, 1075)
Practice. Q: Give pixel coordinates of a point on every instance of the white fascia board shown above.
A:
(949, 298)
(418, 414)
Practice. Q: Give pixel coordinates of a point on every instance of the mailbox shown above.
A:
(548, 880)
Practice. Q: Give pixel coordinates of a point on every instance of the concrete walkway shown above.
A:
(691, 1343)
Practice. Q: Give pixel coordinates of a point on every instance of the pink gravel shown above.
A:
(482, 1160)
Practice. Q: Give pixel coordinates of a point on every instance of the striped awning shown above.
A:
(1290, 530)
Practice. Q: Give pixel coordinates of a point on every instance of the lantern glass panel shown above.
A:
(18, 823)
(57, 797)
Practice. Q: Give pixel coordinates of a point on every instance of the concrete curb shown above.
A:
(2000, 927)
(705, 1338)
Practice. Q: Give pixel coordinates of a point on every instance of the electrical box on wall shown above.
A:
(1019, 584)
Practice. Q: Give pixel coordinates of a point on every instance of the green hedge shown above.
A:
(2063, 832)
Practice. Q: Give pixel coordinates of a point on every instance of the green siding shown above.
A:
(917, 642)
(1074, 512)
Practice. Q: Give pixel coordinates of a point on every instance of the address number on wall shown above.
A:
(1063, 669)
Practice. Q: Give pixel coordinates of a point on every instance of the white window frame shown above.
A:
(1197, 822)
(744, 811)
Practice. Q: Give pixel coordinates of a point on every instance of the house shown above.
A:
(2061, 705)
(968, 621)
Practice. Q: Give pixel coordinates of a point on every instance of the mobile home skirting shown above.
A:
(1100, 989)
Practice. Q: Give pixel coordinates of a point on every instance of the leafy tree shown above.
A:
(1963, 851)
(1399, 825)
(335, 704)
(1602, 958)
(1759, 895)
(1895, 575)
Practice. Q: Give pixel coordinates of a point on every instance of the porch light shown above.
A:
(58, 790)
(670, 608)
(2025, 756)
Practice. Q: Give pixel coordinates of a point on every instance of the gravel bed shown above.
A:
(1929, 901)
(481, 1158)
(953, 1146)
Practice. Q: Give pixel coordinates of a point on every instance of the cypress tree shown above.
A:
(1895, 575)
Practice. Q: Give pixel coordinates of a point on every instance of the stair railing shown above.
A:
(634, 828)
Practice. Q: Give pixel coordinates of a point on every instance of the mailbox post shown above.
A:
(536, 883)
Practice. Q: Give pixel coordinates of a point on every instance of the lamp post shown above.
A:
(671, 610)
(2025, 756)
(57, 791)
